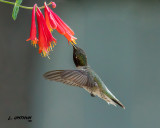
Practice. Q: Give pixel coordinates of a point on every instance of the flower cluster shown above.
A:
(46, 24)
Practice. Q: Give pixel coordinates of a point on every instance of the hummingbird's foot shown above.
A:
(92, 95)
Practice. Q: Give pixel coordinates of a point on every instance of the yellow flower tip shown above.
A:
(73, 42)
(48, 49)
(50, 29)
(54, 43)
(34, 42)
(51, 48)
(45, 53)
(42, 55)
(34, 45)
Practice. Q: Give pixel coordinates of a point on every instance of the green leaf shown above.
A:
(16, 9)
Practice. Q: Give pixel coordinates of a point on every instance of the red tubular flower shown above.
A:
(43, 46)
(60, 25)
(50, 21)
(47, 20)
(70, 38)
(46, 40)
(33, 30)
(68, 31)
(45, 25)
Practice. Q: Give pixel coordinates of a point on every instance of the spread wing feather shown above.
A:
(71, 77)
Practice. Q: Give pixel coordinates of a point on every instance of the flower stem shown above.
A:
(25, 7)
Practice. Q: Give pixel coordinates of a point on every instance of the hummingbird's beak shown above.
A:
(74, 46)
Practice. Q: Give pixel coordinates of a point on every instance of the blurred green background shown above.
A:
(122, 42)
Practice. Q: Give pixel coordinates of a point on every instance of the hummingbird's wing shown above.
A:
(78, 78)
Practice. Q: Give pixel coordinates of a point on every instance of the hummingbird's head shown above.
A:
(79, 56)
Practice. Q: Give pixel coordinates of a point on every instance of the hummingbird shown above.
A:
(83, 77)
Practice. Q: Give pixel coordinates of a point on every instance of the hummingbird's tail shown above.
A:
(112, 99)
(118, 102)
